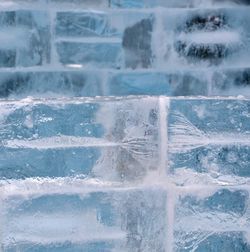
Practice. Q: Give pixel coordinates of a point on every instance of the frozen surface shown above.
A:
(164, 172)
(50, 83)
(176, 3)
(125, 174)
(24, 38)
(204, 139)
(220, 220)
(72, 137)
(104, 219)
(129, 47)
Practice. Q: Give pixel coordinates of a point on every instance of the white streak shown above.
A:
(60, 142)
(59, 227)
(215, 37)
(185, 136)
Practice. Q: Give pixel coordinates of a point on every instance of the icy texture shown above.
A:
(24, 38)
(157, 83)
(207, 37)
(176, 3)
(108, 219)
(80, 3)
(125, 174)
(220, 220)
(207, 140)
(49, 83)
(84, 24)
(95, 24)
(123, 31)
(68, 138)
(105, 55)
(231, 82)
(192, 47)
(77, 82)
(133, 173)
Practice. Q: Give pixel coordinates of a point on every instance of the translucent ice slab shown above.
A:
(48, 83)
(96, 23)
(167, 51)
(92, 218)
(98, 82)
(24, 37)
(91, 137)
(212, 220)
(209, 136)
(175, 3)
(105, 55)
(125, 174)
(118, 138)
(173, 83)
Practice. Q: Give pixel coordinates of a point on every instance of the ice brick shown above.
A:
(49, 84)
(215, 219)
(92, 218)
(105, 55)
(81, 3)
(157, 83)
(24, 38)
(210, 205)
(133, 3)
(209, 136)
(54, 3)
(95, 24)
(8, 3)
(87, 24)
(175, 3)
(152, 4)
(112, 139)
(205, 37)
(84, 24)
(68, 83)
(7, 53)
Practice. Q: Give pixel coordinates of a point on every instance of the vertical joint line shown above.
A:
(164, 104)
(158, 35)
(163, 134)
(53, 53)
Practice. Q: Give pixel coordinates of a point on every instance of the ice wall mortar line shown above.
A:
(53, 53)
(163, 171)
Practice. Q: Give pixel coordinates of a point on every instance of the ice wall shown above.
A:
(86, 167)
(54, 48)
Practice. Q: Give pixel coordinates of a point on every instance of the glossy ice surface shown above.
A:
(118, 131)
